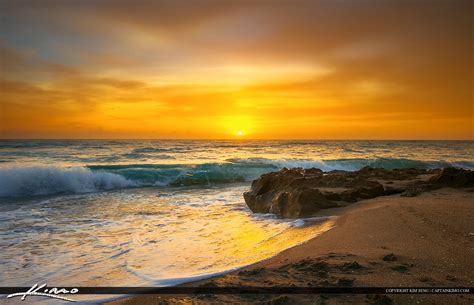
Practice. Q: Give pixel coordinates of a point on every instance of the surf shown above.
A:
(33, 180)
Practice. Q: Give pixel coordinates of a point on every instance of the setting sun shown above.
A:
(239, 133)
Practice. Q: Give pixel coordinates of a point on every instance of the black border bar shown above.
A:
(203, 290)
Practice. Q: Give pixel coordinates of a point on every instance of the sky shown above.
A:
(213, 69)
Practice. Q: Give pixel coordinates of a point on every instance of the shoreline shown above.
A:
(201, 278)
(386, 241)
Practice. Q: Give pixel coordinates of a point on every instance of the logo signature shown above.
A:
(43, 291)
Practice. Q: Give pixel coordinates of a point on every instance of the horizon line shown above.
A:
(221, 139)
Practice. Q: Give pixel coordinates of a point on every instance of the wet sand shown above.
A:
(391, 241)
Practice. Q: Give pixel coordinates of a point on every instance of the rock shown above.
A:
(390, 190)
(297, 192)
(390, 257)
(371, 189)
(351, 266)
(345, 282)
(412, 192)
(299, 203)
(308, 265)
(454, 177)
(400, 268)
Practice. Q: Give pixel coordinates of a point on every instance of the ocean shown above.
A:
(163, 212)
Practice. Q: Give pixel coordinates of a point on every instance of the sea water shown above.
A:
(162, 212)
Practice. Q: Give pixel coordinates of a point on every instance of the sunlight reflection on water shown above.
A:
(140, 236)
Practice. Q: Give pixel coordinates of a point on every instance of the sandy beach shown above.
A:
(386, 241)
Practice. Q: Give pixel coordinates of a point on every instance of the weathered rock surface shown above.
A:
(297, 192)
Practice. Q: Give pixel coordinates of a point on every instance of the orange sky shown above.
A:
(208, 69)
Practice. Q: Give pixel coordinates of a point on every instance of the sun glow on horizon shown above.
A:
(210, 70)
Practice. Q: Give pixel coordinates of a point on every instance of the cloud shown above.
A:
(184, 65)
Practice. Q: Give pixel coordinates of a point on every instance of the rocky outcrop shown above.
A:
(293, 193)
(453, 177)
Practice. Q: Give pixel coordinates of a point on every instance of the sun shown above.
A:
(239, 133)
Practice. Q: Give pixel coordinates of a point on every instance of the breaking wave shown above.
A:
(16, 181)
(42, 180)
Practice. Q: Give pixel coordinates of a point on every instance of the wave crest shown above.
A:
(42, 180)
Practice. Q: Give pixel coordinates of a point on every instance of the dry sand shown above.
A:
(426, 241)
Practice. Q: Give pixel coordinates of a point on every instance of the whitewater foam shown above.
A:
(43, 180)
